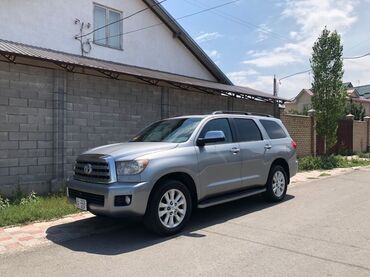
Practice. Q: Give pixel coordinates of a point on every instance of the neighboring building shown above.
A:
(302, 102)
(60, 96)
(364, 91)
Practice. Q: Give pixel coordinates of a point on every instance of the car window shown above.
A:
(170, 130)
(273, 129)
(221, 124)
(247, 130)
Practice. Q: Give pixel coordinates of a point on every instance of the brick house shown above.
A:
(60, 95)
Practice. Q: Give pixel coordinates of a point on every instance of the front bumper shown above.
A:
(139, 193)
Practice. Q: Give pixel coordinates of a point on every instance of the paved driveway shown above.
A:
(322, 229)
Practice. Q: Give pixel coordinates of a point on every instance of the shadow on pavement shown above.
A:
(108, 236)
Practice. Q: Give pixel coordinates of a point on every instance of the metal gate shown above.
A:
(344, 143)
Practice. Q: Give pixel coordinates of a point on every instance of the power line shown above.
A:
(209, 9)
(179, 18)
(121, 19)
(243, 22)
(308, 70)
(356, 57)
(294, 74)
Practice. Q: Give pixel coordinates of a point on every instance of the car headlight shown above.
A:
(131, 167)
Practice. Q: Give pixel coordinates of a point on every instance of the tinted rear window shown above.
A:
(247, 130)
(273, 129)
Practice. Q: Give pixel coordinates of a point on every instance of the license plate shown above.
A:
(81, 204)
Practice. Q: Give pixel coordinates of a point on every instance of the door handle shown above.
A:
(235, 150)
(268, 146)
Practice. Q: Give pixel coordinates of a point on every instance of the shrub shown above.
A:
(330, 162)
(363, 155)
(322, 162)
(31, 198)
(4, 203)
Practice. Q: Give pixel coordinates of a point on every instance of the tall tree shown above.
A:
(329, 95)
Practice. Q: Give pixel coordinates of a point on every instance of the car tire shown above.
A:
(277, 184)
(169, 208)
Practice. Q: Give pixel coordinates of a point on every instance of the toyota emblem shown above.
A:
(87, 169)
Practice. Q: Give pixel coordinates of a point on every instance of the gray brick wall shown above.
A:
(48, 117)
(25, 134)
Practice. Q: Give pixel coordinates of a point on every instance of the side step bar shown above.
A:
(229, 197)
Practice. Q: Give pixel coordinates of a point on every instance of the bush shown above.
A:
(4, 203)
(330, 162)
(322, 162)
(31, 198)
(363, 155)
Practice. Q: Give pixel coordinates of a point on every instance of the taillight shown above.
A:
(294, 145)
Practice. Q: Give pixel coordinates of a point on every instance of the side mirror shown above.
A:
(211, 137)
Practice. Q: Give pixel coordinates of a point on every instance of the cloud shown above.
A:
(287, 88)
(294, 35)
(263, 32)
(311, 16)
(250, 78)
(241, 77)
(357, 71)
(205, 37)
(214, 55)
(272, 59)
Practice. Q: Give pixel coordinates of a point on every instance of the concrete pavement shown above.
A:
(322, 229)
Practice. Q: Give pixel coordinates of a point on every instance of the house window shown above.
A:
(110, 36)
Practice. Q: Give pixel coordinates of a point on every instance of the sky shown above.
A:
(253, 40)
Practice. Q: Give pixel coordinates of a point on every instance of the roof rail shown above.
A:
(245, 113)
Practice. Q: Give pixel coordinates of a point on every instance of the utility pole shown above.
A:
(275, 94)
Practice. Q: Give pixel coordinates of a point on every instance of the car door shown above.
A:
(253, 150)
(219, 163)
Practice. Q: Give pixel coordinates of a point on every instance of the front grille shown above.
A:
(93, 169)
(91, 198)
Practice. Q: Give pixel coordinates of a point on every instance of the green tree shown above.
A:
(329, 95)
(356, 109)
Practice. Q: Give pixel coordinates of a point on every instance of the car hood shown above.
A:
(131, 150)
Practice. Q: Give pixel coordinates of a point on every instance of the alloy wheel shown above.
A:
(278, 183)
(172, 208)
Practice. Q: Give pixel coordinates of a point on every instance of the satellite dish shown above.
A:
(86, 47)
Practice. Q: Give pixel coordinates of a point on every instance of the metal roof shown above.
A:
(70, 62)
(187, 40)
(364, 91)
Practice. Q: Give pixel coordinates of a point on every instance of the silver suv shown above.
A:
(182, 163)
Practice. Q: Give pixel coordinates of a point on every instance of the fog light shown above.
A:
(122, 200)
(128, 200)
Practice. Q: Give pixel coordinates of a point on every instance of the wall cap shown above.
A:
(350, 116)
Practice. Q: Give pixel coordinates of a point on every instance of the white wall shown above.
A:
(50, 24)
(303, 100)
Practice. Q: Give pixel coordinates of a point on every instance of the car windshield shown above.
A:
(170, 130)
